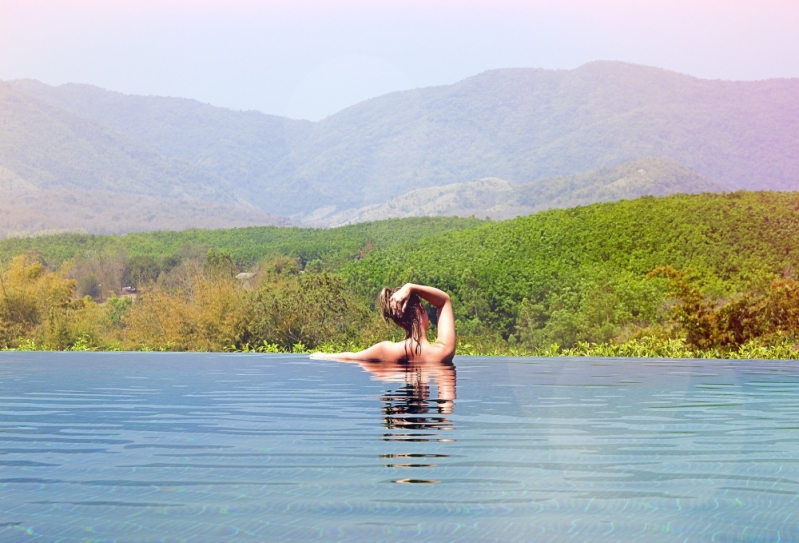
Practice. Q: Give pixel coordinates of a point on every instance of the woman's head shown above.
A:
(413, 320)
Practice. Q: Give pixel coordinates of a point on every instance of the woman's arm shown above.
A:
(441, 301)
(384, 350)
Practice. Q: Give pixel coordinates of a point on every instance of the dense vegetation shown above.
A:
(702, 275)
(581, 274)
(247, 246)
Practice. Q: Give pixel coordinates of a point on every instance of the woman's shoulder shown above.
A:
(441, 351)
(429, 352)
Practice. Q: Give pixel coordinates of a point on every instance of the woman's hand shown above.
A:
(399, 300)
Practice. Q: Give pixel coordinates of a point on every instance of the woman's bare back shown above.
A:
(410, 349)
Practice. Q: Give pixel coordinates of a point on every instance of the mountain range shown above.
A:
(525, 139)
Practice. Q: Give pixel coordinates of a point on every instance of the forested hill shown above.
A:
(59, 169)
(45, 148)
(583, 270)
(333, 247)
(524, 124)
(238, 146)
(731, 240)
(519, 125)
(560, 276)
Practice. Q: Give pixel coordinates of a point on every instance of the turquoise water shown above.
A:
(207, 447)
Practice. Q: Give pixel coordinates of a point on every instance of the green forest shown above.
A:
(707, 275)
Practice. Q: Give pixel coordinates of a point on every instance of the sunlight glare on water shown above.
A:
(208, 447)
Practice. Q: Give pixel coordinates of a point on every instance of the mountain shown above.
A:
(520, 125)
(525, 124)
(57, 168)
(50, 147)
(498, 199)
(235, 146)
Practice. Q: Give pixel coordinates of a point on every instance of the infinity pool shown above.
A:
(207, 447)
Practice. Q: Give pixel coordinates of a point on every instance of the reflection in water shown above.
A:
(411, 413)
(410, 408)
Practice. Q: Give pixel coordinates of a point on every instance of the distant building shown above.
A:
(245, 277)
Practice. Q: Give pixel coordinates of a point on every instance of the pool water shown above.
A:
(208, 447)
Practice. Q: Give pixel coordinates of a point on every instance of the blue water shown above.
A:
(208, 447)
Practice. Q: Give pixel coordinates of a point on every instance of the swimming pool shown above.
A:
(209, 447)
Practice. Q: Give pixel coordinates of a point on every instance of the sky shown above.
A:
(311, 58)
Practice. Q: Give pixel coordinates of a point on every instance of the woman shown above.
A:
(404, 307)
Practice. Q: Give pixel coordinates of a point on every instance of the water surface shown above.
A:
(208, 447)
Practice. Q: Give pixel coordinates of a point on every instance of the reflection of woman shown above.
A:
(404, 307)
(416, 378)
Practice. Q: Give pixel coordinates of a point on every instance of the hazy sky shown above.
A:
(311, 58)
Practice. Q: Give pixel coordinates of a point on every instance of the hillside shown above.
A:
(112, 212)
(498, 199)
(50, 148)
(520, 125)
(560, 276)
(584, 268)
(237, 146)
(86, 175)
(247, 246)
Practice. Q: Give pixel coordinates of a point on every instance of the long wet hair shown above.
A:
(410, 320)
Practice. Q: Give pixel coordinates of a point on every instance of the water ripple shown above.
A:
(168, 447)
